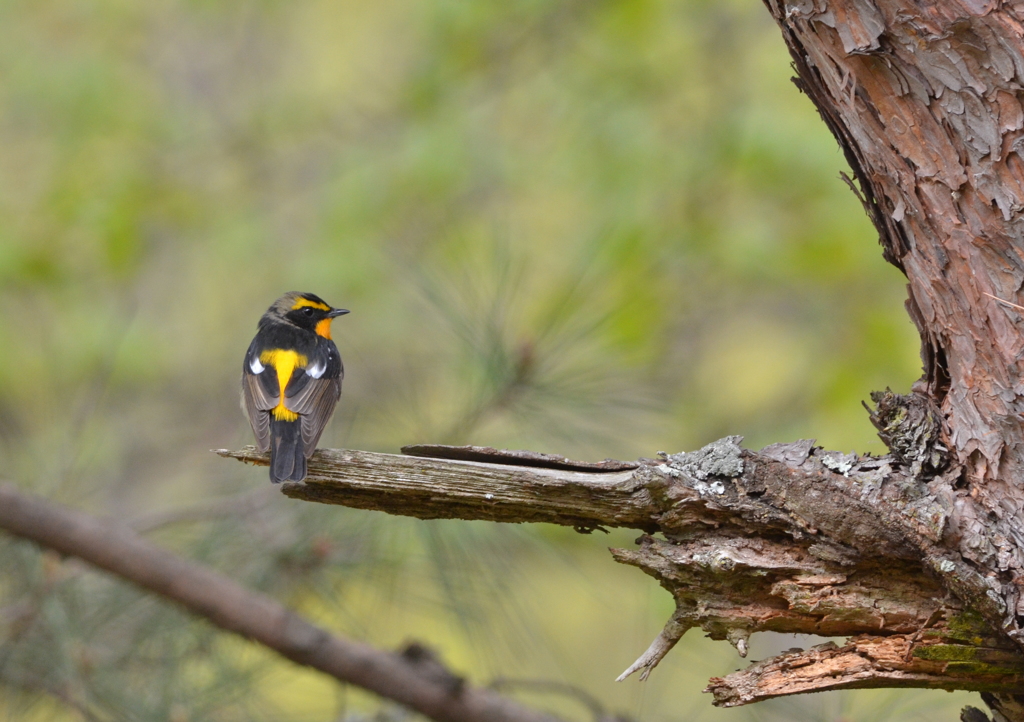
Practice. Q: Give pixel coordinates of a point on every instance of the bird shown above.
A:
(291, 381)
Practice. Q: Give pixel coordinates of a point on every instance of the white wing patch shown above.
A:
(316, 370)
(256, 366)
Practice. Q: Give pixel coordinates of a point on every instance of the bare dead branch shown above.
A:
(897, 661)
(442, 489)
(789, 539)
(405, 678)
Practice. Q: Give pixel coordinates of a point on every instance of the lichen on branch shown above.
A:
(791, 538)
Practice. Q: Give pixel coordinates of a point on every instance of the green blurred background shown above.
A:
(599, 229)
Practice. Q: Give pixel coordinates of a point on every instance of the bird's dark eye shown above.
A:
(307, 310)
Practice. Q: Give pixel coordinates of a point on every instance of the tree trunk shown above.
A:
(924, 99)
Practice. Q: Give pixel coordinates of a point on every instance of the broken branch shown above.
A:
(788, 539)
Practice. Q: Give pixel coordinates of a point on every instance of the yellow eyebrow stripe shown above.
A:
(306, 302)
(284, 362)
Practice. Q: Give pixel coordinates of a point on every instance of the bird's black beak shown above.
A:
(335, 312)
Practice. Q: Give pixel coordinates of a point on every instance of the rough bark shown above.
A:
(789, 539)
(925, 99)
(871, 661)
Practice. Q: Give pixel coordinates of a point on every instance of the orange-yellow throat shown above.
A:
(323, 328)
(284, 362)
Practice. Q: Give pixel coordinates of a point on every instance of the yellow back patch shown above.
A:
(314, 304)
(284, 362)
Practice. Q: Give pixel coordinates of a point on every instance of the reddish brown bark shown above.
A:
(925, 99)
(871, 661)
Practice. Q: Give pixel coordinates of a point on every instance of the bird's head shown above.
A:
(305, 310)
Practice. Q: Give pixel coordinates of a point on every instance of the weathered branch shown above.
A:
(413, 678)
(897, 661)
(442, 489)
(788, 539)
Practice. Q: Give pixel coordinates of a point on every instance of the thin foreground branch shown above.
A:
(413, 678)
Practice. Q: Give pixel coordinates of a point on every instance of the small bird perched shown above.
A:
(291, 381)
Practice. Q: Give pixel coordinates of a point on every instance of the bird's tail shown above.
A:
(287, 460)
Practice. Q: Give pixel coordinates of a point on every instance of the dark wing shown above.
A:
(314, 392)
(260, 393)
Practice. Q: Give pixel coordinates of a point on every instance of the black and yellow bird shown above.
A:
(291, 381)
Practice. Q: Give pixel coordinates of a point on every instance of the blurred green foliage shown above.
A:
(590, 228)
